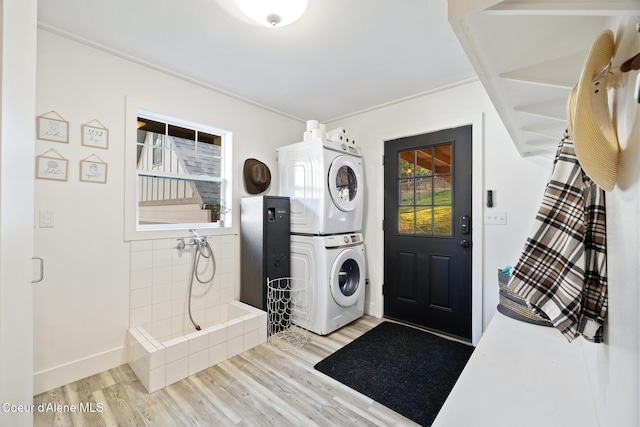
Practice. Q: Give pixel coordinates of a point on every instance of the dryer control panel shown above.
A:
(342, 240)
(343, 147)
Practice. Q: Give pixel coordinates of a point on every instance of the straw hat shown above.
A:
(257, 176)
(588, 117)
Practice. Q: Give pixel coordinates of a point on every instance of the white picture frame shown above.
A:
(93, 171)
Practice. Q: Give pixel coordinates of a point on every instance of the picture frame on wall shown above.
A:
(93, 169)
(52, 165)
(51, 128)
(95, 135)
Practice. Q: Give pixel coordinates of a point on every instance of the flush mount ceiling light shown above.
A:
(273, 13)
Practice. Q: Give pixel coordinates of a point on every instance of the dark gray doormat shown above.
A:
(407, 370)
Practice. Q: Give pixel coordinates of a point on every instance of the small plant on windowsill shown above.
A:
(220, 210)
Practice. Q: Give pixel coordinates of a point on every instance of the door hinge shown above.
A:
(383, 289)
(383, 160)
(383, 224)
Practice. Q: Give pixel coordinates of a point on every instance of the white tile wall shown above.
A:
(198, 361)
(198, 341)
(177, 348)
(159, 285)
(141, 279)
(217, 334)
(140, 316)
(235, 346)
(176, 371)
(217, 353)
(141, 297)
(157, 379)
(141, 260)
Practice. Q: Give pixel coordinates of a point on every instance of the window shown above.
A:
(425, 191)
(179, 176)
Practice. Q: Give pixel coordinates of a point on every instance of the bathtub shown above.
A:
(159, 364)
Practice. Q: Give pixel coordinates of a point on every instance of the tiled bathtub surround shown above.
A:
(159, 278)
(160, 364)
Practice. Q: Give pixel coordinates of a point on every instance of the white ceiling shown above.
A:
(341, 57)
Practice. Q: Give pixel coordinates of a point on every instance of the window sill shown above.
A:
(171, 231)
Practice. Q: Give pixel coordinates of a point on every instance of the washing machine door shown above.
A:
(345, 182)
(347, 279)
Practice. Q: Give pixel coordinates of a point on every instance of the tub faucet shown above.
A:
(198, 240)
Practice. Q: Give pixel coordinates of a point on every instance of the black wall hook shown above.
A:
(632, 63)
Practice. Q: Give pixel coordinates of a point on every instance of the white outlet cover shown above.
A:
(47, 219)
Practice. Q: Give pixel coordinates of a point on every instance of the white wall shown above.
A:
(82, 306)
(614, 366)
(518, 183)
(17, 112)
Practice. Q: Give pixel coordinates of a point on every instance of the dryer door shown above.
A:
(345, 182)
(347, 279)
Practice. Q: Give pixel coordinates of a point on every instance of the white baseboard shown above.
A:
(65, 374)
(372, 310)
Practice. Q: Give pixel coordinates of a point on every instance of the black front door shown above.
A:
(427, 231)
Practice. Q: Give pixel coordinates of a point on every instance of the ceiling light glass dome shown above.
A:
(273, 13)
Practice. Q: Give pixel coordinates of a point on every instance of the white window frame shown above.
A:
(162, 113)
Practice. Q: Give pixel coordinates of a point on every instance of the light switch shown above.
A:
(47, 219)
(495, 218)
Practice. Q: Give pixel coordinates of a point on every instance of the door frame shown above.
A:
(18, 40)
(477, 209)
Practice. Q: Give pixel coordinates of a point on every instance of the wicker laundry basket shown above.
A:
(512, 305)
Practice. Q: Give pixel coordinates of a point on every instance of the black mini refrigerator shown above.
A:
(265, 247)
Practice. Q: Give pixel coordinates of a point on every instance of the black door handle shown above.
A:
(465, 244)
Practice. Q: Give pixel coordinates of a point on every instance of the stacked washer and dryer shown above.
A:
(323, 178)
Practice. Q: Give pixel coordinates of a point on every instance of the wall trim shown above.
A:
(407, 98)
(77, 370)
(54, 30)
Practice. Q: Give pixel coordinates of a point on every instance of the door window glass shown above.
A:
(346, 183)
(442, 220)
(407, 220)
(424, 193)
(406, 192)
(424, 166)
(424, 220)
(425, 203)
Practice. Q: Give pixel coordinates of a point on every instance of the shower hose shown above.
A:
(202, 250)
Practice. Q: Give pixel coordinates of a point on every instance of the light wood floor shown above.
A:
(260, 387)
